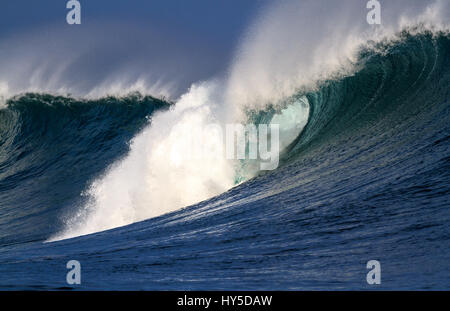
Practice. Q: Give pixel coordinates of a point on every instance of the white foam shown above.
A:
(292, 45)
(4, 93)
(297, 44)
(156, 177)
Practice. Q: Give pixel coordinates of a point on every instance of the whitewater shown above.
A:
(136, 188)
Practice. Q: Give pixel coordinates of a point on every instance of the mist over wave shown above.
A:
(99, 60)
(279, 57)
(291, 50)
(297, 45)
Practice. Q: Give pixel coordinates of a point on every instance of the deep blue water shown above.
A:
(368, 178)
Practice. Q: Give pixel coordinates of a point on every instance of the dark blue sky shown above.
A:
(210, 19)
(183, 41)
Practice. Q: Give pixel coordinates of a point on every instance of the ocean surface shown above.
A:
(367, 178)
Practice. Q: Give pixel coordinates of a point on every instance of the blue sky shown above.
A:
(209, 19)
(177, 40)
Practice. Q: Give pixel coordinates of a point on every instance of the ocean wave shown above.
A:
(325, 73)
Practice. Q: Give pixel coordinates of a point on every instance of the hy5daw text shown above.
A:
(225, 301)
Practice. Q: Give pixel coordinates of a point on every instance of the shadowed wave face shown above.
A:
(367, 178)
(51, 146)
